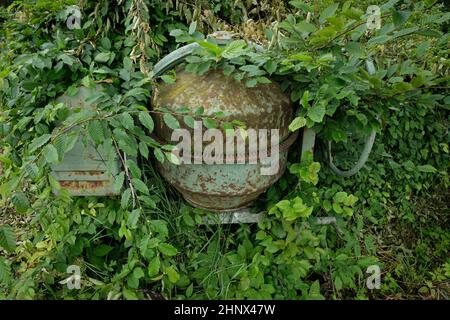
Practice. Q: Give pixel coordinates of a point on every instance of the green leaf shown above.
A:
(54, 183)
(106, 43)
(203, 67)
(427, 168)
(102, 250)
(251, 83)
(172, 158)
(129, 294)
(234, 49)
(429, 33)
(304, 26)
(20, 202)
(405, 32)
(87, 82)
(168, 79)
(138, 273)
(153, 267)
(134, 168)
(190, 122)
(167, 249)
(176, 32)
(5, 271)
(133, 218)
(338, 283)
(147, 121)
(190, 290)
(194, 59)
(270, 66)
(314, 291)
(209, 123)
(252, 70)
(50, 154)
(326, 205)
(422, 49)
(125, 199)
(340, 197)
(199, 111)
(31, 170)
(337, 208)
(304, 100)
(171, 121)
(400, 17)
(60, 144)
(112, 216)
(70, 142)
(228, 69)
(263, 80)
(328, 12)
(95, 130)
(191, 67)
(301, 5)
(379, 40)
(102, 57)
(351, 200)
(7, 238)
(132, 282)
(140, 186)
(297, 123)
(172, 274)
(126, 120)
(192, 27)
(143, 149)
(317, 112)
(39, 142)
(159, 155)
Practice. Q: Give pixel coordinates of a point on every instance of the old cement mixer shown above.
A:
(228, 188)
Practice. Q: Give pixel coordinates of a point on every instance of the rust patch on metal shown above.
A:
(88, 173)
(82, 185)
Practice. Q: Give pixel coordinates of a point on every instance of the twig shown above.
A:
(127, 173)
(347, 31)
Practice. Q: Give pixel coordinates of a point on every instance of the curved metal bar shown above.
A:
(177, 56)
(361, 161)
(173, 59)
(367, 146)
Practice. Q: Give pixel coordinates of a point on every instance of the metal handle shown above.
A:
(177, 56)
(367, 146)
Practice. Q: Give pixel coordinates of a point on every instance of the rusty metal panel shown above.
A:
(84, 173)
(85, 170)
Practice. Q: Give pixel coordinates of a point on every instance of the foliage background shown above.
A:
(400, 222)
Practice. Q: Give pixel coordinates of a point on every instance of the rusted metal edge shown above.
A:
(245, 216)
(235, 217)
